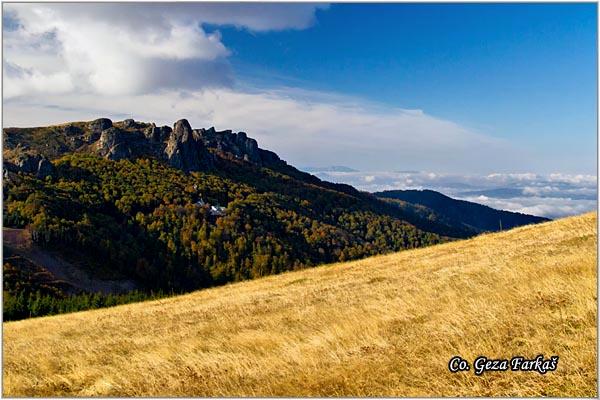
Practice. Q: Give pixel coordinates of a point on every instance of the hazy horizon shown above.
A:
(450, 89)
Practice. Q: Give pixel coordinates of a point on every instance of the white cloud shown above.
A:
(575, 179)
(159, 62)
(19, 81)
(118, 49)
(549, 195)
(304, 128)
(498, 177)
(542, 206)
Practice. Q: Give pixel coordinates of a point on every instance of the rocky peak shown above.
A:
(181, 146)
(129, 124)
(182, 130)
(100, 124)
(186, 150)
(96, 127)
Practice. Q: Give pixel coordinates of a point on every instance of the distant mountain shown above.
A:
(175, 209)
(454, 212)
(331, 168)
(130, 204)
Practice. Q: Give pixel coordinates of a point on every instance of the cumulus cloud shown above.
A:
(162, 62)
(159, 62)
(119, 49)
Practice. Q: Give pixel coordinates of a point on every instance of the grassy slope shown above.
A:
(385, 325)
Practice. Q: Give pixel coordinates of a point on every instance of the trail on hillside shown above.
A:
(18, 242)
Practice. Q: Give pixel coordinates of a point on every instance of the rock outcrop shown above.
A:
(45, 168)
(129, 124)
(185, 149)
(96, 127)
(236, 144)
(181, 146)
(157, 134)
(112, 144)
(99, 125)
(116, 144)
(31, 164)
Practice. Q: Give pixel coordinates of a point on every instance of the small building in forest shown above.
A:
(217, 210)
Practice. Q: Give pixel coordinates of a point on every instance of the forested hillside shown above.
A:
(384, 326)
(179, 209)
(469, 215)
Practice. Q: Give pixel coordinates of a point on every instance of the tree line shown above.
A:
(140, 218)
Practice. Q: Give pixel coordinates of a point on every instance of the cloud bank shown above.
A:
(161, 62)
(548, 195)
(158, 62)
(303, 130)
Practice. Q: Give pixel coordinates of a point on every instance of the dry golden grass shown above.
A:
(383, 326)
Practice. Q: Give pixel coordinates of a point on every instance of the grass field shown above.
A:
(383, 326)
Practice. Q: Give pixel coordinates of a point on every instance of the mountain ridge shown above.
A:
(178, 209)
(181, 146)
(480, 217)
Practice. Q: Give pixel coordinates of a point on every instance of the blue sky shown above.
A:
(452, 88)
(521, 72)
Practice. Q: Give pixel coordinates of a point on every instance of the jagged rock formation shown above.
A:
(99, 125)
(185, 149)
(129, 123)
(236, 144)
(181, 146)
(157, 134)
(32, 164)
(115, 144)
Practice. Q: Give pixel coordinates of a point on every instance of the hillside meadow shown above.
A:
(381, 326)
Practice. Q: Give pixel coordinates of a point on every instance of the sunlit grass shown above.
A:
(383, 326)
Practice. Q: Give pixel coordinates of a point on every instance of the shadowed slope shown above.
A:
(383, 326)
(463, 213)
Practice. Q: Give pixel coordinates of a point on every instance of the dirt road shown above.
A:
(19, 242)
